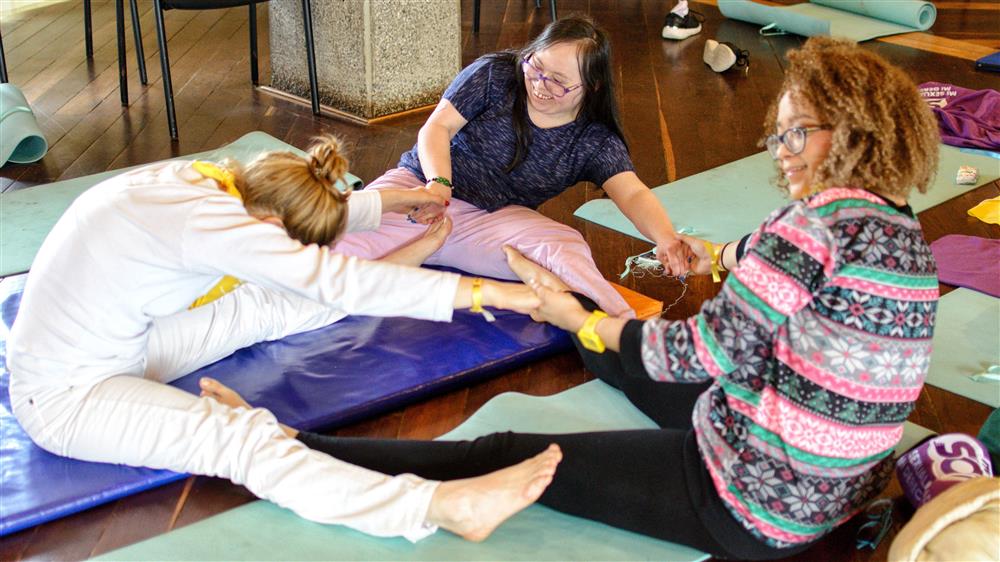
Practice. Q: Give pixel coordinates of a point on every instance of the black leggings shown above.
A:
(652, 482)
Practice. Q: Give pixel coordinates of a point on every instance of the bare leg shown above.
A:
(417, 251)
(474, 507)
(471, 507)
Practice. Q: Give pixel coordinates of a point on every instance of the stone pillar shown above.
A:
(373, 57)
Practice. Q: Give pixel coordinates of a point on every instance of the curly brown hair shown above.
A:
(884, 136)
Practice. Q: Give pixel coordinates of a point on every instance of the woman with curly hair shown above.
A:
(780, 402)
(111, 312)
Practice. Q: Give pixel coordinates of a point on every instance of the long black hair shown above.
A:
(598, 105)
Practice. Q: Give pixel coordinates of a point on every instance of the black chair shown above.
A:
(475, 12)
(161, 35)
(88, 36)
(3, 64)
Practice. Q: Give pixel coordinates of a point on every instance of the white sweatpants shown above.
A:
(140, 421)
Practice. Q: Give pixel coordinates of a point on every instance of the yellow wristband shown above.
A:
(477, 300)
(713, 251)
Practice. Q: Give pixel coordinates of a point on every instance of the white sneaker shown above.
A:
(720, 57)
(677, 27)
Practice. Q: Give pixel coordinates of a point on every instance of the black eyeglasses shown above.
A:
(794, 139)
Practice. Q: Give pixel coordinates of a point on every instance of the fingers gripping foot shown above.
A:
(530, 272)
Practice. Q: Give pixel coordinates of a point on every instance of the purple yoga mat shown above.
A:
(969, 261)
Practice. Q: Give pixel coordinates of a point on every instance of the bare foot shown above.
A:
(436, 234)
(422, 247)
(211, 388)
(530, 272)
(474, 507)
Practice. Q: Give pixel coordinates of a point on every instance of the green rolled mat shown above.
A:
(21, 141)
(859, 20)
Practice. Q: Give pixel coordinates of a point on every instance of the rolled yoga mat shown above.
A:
(21, 141)
(726, 202)
(263, 531)
(859, 20)
(27, 215)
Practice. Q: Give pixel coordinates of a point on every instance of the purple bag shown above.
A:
(939, 463)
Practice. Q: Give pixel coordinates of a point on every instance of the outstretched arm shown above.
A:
(641, 207)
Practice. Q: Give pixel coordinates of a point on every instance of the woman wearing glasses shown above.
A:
(513, 130)
(781, 401)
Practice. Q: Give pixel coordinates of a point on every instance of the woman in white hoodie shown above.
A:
(115, 306)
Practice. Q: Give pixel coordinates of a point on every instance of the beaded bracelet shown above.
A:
(443, 181)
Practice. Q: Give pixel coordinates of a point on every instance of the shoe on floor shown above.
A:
(723, 56)
(677, 27)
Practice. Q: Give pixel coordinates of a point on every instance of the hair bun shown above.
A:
(327, 163)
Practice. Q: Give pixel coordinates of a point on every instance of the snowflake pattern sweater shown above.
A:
(818, 345)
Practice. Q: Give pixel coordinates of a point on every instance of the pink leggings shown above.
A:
(477, 238)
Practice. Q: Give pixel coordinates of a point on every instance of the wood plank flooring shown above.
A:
(680, 119)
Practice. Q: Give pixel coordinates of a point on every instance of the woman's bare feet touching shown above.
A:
(530, 272)
(474, 507)
(211, 388)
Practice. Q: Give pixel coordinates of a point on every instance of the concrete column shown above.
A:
(373, 57)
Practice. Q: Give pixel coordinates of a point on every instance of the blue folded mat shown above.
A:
(262, 531)
(859, 20)
(27, 215)
(353, 369)
(726, 202)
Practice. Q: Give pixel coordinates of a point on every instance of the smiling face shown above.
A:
(799, 169)
(561, 64)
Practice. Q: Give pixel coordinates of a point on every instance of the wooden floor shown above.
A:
(680, 119)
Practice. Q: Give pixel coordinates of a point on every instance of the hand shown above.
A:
(559, 308)
(426, 205)
(701, 259)
(673, 254)
(510, 296)
(440, 189)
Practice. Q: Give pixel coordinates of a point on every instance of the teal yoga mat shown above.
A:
(263, 531)
(27, 215)
(858, 20)
(727, 202)
(966, 342)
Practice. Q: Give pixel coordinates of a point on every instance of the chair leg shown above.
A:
(254, 72)
(140, 53)
(552, 9)
(3, 64)
(538, 3)
(168, 88)
(122, 72)
(475, 16)
(88, 30)
(310, 55)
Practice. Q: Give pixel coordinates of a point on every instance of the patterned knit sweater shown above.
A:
(818, 345)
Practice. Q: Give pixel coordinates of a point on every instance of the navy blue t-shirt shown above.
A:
(557, 158)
